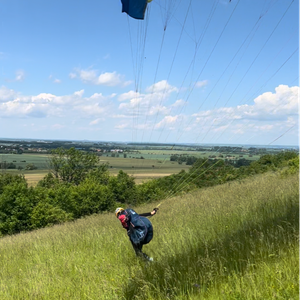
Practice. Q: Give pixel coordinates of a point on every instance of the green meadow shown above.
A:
(239, 240)
(21, 160)
(155, 163)
(141, 169)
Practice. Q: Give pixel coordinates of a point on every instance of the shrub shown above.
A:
(148, 191)
(6, 179)
(16, 204)
(90, 197)
(48, 181)
(123, 187)
(293, 167)
(45, 214)
(31, 167)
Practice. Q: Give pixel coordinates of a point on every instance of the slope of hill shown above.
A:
(234, 241)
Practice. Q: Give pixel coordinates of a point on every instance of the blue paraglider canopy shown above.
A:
(135, 8)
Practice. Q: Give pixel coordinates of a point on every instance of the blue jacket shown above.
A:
(138, 227)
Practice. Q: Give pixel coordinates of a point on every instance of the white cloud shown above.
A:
(161, 87)
(283, 102)
(129, 95)
(7, 94)
(149, 103)
(270, 113)
(178, 103)
(167, 121)
(14, 104)
(72, 75)
(20, 74)
(106, 79)
(268, 106)
(111, 79)
(96, 121)
(201, 84)
(149, 110)
(79, 93)
(54, 80)
(159, 109)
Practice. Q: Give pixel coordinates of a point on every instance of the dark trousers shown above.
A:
(138, 247)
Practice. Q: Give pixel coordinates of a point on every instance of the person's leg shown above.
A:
(137, 248)
(138, 251)
(145, 256)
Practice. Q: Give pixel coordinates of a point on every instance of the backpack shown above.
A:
(138, 226)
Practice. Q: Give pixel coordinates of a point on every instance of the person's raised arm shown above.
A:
(149, 214)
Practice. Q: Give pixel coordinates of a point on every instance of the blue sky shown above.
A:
(193, 71)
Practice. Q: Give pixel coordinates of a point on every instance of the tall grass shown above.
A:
(222, 232)
(235, 241)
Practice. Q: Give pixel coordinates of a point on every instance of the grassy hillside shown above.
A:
(234, 241)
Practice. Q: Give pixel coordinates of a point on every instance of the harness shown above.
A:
(137, 226)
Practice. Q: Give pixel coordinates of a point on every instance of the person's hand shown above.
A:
(153, 212)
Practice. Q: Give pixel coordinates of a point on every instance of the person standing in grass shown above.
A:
(139, 228)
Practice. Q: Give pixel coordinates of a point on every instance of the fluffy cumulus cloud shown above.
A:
(268, 106)
(7, 94)
(129, 95)
(13, 104)
(156, 112)
(282, 103)
(271, 112)
(151, 110)
(151, 102)
(169, 121)
(161, 87)
(91, 76)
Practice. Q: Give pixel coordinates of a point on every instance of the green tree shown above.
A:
(31, 167)
(100, 174)
(190, 160)
(91, 197)
(123, 187)
(16, 204)
(48, 181)
(71, 165)
(7, 179)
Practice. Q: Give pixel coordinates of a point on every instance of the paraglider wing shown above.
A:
(134, 8)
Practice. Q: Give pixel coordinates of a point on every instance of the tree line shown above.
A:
(78, 185)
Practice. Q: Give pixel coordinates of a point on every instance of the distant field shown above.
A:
(156, 163)
(165, 154)
(141, 169)
(40, 160)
